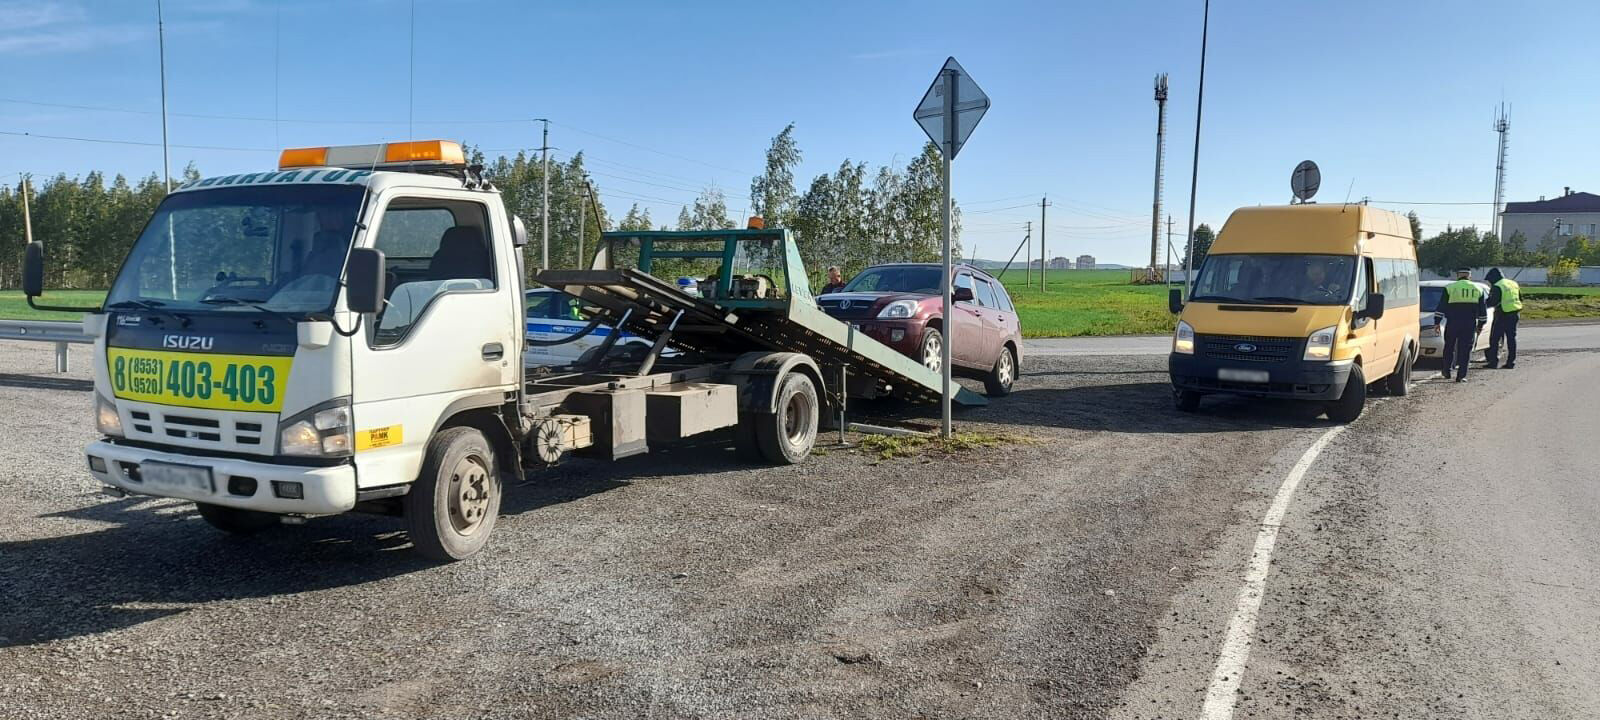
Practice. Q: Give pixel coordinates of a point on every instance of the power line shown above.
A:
(1401, 202)
(253, 118)
(130, 142)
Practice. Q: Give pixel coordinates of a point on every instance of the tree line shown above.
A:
(852, 217)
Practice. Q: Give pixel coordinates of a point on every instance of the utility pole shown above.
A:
(599, 222)
(1044, 258)
(1161, 152)
(166, 162)
(1168, 268)
(544, 214)
(582, 216)
(1194, 167)
(1502, 126)
(27, 220)
(1028, 259)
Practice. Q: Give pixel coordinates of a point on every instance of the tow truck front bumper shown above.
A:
(244, 484)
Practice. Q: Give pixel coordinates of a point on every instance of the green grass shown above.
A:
(1088, 302)
(1560, 303)
(13, 306)
(888, 447)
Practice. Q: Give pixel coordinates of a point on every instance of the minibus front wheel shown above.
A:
(1185, 400)
(1349, 405)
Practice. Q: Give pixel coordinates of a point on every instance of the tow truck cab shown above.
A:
(235, 366)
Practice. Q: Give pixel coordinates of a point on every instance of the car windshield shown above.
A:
(1276, 279)
(1431, 295)
(278, 248)
(896, 278)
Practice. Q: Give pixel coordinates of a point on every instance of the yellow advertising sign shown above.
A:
(379, 437)
(253, 383)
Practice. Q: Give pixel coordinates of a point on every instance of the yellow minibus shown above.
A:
(1308, 302)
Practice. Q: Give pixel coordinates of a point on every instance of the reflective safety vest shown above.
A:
(1463, 291)
(1510, 295)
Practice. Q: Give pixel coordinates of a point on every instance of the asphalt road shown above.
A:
(1436, 562)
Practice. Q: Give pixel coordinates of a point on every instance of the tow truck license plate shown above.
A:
(1236, 375)
(177, 477)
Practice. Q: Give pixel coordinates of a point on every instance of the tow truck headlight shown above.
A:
(1183, 339)
(106, 419)
(322, 431)
(1319, 346)
(898, 310)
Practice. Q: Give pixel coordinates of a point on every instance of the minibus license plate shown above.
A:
(1236, 375)
(177, 477)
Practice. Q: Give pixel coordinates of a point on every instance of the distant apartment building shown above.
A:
(1085, 262)
(1060, 263)
(1549, 224)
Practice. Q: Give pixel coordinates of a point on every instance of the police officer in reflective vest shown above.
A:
(1464, 314)
(1506, 299)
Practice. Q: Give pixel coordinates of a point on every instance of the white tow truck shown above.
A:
(346, 332)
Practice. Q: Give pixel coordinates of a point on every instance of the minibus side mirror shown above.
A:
(364, 279)
(33, 270)
(1175, 301)
(1374, 306)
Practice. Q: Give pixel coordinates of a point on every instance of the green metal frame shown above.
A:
(730, 239)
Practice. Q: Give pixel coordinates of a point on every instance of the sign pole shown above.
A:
(948, 150)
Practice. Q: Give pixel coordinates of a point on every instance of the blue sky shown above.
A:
(1393, 100)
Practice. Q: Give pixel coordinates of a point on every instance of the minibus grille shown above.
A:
(1249, 348)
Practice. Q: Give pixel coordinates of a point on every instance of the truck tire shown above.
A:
(1399, 382)
(451, 508)
(1349, 405)
(998, 382)
(786, 436)
(234, 520)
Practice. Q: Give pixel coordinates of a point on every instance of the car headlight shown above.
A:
(1432, 331)
(1183, 339)
(106, 419)
(898, 309)
(322, 431)
(1319, 346)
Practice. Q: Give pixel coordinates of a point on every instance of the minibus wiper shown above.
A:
(1279, 299)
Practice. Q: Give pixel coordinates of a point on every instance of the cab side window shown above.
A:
(1364, 274)
(434, 247)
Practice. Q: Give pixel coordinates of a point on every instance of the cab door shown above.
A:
(1366, 333)
(448, 337)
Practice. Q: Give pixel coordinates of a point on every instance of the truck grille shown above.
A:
(198, 428)
(1263, 349)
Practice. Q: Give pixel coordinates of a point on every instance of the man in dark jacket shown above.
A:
(1505, 296)
(1464, 313)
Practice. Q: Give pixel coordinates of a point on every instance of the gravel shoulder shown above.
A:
(1021, 581)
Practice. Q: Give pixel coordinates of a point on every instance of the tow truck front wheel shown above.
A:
(235, 520)
(452, 507)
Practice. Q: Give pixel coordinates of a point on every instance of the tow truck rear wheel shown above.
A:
(234, 520)
(452, 507)
(786, 436)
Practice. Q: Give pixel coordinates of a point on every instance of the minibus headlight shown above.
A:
(106, 419)
(1183, 339)
(1320, 345)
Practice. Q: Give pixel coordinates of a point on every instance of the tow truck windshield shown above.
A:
(279, 249)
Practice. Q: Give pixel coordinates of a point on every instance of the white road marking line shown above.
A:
(1222, 693)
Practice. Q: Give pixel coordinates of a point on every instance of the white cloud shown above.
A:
(22, 15)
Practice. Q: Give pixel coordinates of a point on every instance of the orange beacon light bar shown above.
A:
(432, 153)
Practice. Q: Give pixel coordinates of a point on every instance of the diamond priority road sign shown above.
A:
(935, 111)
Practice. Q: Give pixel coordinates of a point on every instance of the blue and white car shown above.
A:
(552, 315)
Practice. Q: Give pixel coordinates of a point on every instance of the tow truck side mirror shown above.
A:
(33, 270)
(519, 232)
(1174, 301)
(364, 280)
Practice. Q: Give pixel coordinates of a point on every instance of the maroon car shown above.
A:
(900, 306)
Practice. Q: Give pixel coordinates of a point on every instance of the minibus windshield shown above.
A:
(1287, 279)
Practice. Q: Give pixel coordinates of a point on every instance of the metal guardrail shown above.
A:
(60, 333)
